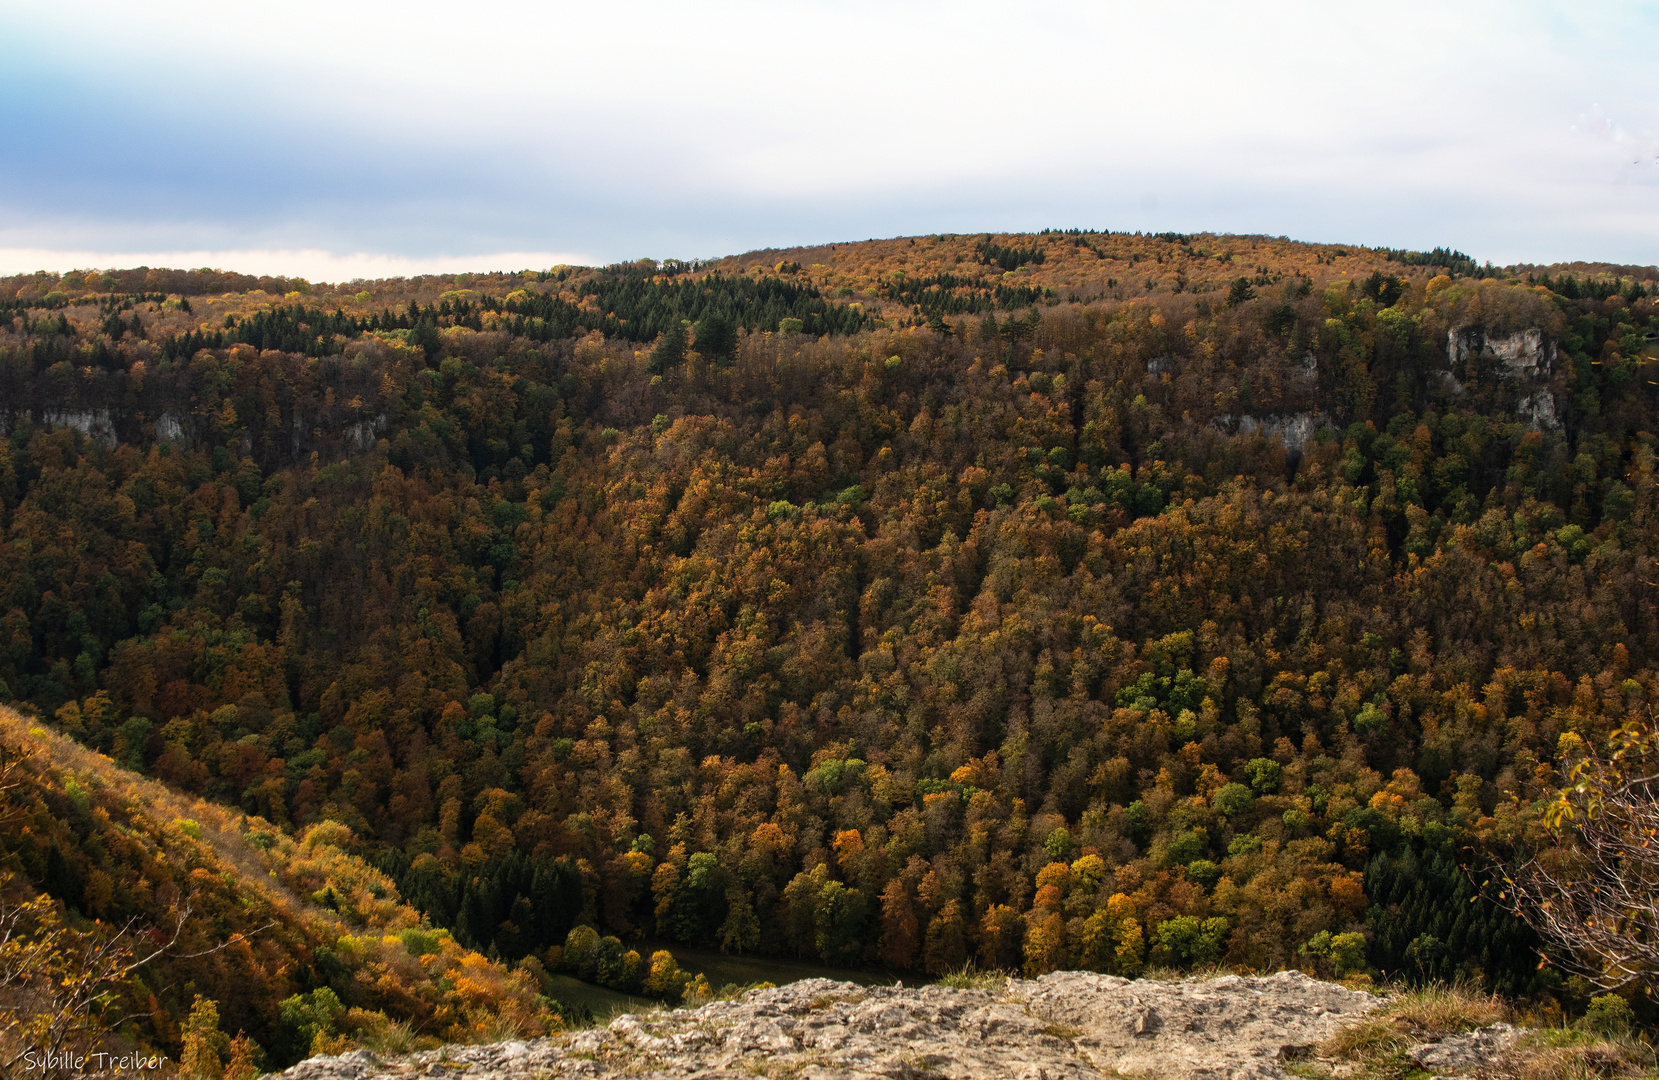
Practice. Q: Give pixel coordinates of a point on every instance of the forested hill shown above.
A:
(1059, 600)
(284, 938)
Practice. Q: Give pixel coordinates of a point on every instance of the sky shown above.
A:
(341, 140)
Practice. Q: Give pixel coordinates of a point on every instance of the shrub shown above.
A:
(1609, 1014)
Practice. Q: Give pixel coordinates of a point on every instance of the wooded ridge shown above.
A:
(1072, 600)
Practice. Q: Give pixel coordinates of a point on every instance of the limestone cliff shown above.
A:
(1524, 359)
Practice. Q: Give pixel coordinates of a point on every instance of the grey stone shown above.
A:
(95, 424)
(1524, 359)
(1063, 1026)
(1459, 1055)
(1294, 430)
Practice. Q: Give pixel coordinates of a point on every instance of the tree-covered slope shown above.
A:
(127, 904)
(1124, 625)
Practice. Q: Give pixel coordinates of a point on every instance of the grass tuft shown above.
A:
(396, 1037)
(1202, 973)
(503, 1026)
(970, 977)
(1545, 1055)
(1375, 1047)
(1446, 1009)
(1412, 1017)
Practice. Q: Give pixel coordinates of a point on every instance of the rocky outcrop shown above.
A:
(169, 428)
(1294, 430)
(356, 437)
(1457, 1055)
(360, 437)
(1307, 368)
(1065, 1025)
(93, 423)
(1538, 410)
(1526, 357)
(1525, 354)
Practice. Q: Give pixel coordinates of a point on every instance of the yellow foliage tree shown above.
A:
(203, 1042)
(665, 979)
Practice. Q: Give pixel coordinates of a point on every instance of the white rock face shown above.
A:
(1456, 1055)
(358, 436)
(1064, 1026)
(93, 423)
(1539, 410)
(169, 428)
(361, 436)
(1294, 430)
(1526, 356)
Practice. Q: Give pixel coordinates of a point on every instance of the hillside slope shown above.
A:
(1039, 616)
(123, 858)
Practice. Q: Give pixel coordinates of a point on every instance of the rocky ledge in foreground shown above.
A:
(1064, 1025)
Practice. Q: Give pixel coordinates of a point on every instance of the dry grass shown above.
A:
(1446, 1009)
(504, 1025)
(395, 1037)
(1574, 1054)
(1203, 973)
(646, 1012)
(1375, 1048)
(970, 977)
(1412, 1017)
(1564, 1063)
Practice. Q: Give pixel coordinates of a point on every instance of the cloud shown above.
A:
(675, 129)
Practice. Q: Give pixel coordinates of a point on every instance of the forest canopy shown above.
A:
(1072, 599)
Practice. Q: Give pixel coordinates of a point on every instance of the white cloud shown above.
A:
(658, 121)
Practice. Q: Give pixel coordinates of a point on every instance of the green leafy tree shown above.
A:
(840, 921)
(1189, 941)
(310, 1022)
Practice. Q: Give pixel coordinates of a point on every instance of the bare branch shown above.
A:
(56, 982)
(1594, 894)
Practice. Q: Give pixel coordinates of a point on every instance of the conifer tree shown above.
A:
(670, 350)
